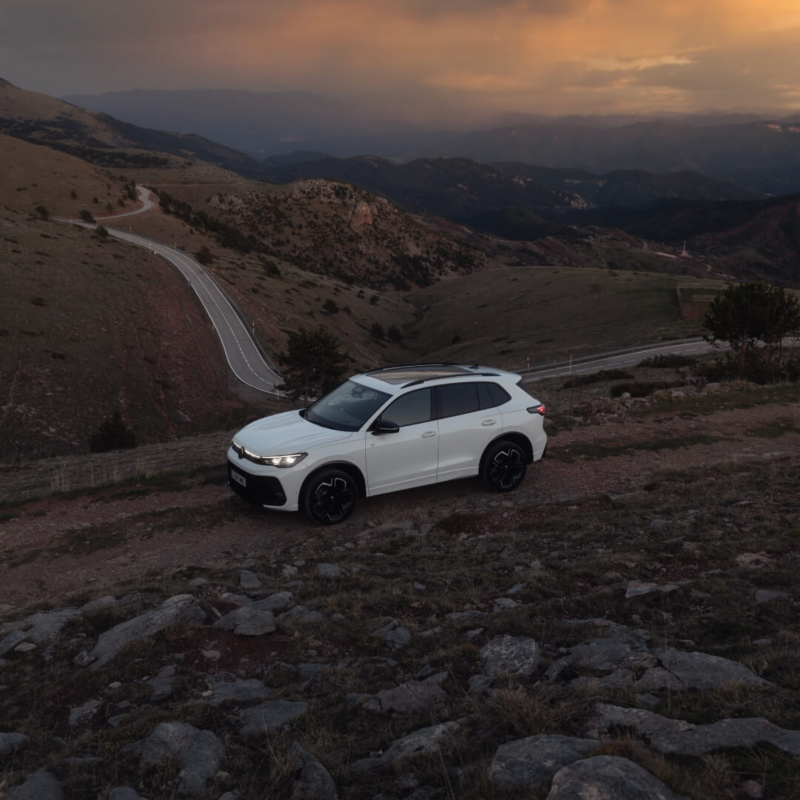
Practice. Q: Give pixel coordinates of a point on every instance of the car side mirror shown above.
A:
(385, 426)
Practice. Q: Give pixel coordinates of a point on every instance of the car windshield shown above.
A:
(347, 407)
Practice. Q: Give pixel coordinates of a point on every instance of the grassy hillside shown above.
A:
(64, 185)
(89, 325)
(502, 316)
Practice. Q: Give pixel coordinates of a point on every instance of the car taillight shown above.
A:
(537, 410)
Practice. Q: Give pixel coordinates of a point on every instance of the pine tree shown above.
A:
(312, 364)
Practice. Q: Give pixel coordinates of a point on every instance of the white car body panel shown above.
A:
(417, 455)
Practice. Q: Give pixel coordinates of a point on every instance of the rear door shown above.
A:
(410, 456)
(464, 429)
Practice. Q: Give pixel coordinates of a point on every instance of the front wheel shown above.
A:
(504, 466)
(330, 496)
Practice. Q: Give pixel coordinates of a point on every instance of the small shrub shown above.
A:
(101, 232)
(373, 301)
(113, 434)
(394, 334)
(43, 212)
(86, 215)
(38, 301)
(95, 201)
(596, 377)
(330, 306)
(642, 388)
(456, 339)
(73, 195)
(668, 361)
(204, 255)
(377, 331)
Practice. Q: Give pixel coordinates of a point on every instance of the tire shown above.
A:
(329, 497)
(503, 467)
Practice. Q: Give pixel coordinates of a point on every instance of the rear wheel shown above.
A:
(330, 496)
(504, 466)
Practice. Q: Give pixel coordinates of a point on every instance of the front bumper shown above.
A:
(263, 490)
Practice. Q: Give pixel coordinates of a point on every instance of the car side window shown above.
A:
(457, 398)
(498, 395)
(410, 409)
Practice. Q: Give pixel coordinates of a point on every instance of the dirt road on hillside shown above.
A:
(56, 547)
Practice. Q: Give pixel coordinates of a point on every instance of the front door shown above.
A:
(409, 457)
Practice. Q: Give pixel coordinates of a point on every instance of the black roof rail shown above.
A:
(442, 377)
(411, 366)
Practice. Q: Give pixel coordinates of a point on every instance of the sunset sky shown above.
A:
(420, 57)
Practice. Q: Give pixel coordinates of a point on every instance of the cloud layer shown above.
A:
(418, 57)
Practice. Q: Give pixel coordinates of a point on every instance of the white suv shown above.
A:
(386, 430)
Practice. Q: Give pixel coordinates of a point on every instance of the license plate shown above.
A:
(239, 478)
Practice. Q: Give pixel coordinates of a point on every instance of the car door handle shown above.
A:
(487, 422)
(428, 434)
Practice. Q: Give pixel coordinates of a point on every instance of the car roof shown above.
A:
(396, 378)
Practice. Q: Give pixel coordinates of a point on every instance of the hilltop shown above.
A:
(104, 140)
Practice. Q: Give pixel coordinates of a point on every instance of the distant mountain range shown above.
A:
(461, 187)
(760, 153)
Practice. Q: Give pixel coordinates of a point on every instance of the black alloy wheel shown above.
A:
(330, 497)
(504, 466)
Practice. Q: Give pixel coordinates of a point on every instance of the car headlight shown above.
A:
(282, 461)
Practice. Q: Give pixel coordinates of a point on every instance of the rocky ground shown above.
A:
(624, 626)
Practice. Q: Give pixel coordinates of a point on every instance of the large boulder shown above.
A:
(242, 691)
(35, 629)
(270, 716)
(39, 785)
(11, 742)
(410, 697)
(247, 621)
(703, 671)
(182, 608)
(199, 754)
(673, 736)
(422, 741)
(515, 654)
(312, 781)
(531, 762)
(608, 778)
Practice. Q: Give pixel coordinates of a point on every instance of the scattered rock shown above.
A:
(247, 621)
(270, 716)
(162, 684)
(518, 655)
(247, 579)
(329, 571)
(531, 762)
(312, 781)
(25, 647)
(425, 740)
(382, 632)
(703, 671)
(641, 589)
(682, 738)
(300, 614)
(471, 614)
(753, 789)
(480, 684)
(275, 602)
(336, 617)
(82, 712)
(35, 629)
(181, 608)
(39, 785)
(242, 691)
(116, 720)
(199, 753)
(765, 595)
(397, 638)
(409, 697)
(607, 777)
(762, 642)
(503, 604)
(11, 742)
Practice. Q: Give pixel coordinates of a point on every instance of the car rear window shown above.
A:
(457, 398)
(410, 409)
(491, 395)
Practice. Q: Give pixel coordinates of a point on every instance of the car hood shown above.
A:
(282, 434)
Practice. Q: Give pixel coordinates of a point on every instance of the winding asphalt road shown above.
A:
(248, 364)
(241, 350)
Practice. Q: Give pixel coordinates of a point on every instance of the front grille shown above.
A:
(242, 453)
(261, 490)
